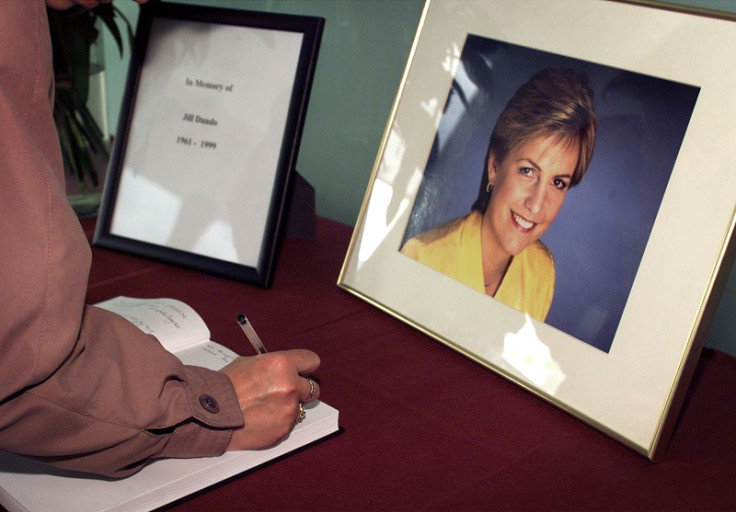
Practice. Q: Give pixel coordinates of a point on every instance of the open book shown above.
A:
(26, 485)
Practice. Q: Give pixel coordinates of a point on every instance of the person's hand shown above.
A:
(66, 4)
(269, 389)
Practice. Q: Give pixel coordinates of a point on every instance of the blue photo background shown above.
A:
(600, 234)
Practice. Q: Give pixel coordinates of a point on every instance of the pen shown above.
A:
(251, 334)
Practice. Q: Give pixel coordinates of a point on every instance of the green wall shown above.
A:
(364, 50)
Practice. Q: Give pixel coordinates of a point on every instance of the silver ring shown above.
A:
(312, 389)
(302, 413)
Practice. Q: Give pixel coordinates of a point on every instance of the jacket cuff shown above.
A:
(215, 414)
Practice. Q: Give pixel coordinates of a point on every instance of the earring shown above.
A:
(489, 187)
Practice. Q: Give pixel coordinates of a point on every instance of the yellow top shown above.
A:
(454, 249)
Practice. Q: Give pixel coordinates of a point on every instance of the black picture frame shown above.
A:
(203, 162)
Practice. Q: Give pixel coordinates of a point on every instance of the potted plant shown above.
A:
(83, 145)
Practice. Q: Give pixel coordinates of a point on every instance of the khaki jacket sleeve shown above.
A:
(80, 387)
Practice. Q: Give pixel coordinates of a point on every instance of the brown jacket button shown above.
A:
(209, 403)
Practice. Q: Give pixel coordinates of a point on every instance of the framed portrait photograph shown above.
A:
(204, 158)
(553, 199)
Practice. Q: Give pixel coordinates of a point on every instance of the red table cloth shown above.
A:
(424, 427)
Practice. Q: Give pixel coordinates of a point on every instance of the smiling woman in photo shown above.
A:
(541, 146)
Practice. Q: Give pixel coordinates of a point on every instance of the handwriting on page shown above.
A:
(172, 322)
(218, 351)
(165, 314)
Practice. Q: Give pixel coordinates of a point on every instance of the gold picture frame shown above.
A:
(641, 246)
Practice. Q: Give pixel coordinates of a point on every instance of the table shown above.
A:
(424, 427)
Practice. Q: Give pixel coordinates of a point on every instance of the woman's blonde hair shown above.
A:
(555, 102)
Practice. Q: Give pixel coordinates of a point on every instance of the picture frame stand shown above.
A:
(300, 223)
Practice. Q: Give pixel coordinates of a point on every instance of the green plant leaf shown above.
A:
(73, 32)
(106, 13)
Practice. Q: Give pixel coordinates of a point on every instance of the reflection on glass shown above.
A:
(526, 353)
(381, 216)
(213, 142)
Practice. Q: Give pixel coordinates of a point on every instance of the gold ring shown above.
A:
(302, 413)
(312, 389)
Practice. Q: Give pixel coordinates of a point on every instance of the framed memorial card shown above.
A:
(204, 158)
(554, 198)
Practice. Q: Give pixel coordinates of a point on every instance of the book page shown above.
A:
(175, 324)
(209, 355)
